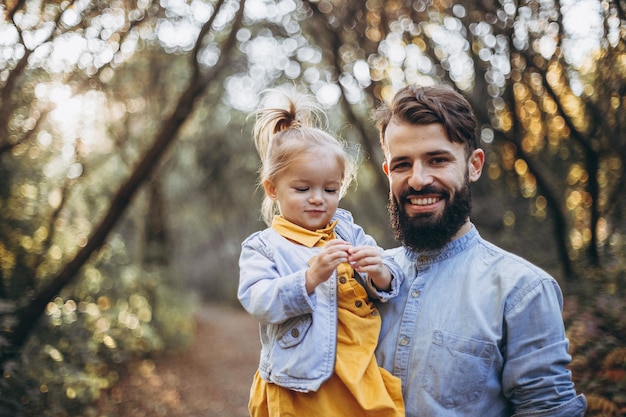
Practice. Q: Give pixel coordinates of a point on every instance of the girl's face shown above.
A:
(308, 190)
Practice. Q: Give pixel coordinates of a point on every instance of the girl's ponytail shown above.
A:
(281, 111)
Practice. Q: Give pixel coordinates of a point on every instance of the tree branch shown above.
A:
(30, 313)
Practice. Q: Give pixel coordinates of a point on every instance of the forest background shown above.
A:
(128, 175)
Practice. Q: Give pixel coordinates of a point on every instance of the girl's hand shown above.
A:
(369, 260)
(328, 259)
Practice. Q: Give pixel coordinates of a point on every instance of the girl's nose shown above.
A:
(316, 197)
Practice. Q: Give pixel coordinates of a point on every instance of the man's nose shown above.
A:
(420, 177)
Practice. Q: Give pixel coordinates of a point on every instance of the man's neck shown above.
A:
(467, 226)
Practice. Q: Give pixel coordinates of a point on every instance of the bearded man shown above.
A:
(476, 331)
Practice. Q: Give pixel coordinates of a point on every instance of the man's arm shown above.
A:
(535, 377)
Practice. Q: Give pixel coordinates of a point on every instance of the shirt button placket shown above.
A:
(407, 327)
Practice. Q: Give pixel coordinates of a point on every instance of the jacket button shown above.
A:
(358, 304)
(342, 280)
(295, 332)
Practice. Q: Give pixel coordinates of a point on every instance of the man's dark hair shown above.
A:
(425, 105)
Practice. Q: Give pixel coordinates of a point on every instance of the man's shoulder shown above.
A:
(506, 260)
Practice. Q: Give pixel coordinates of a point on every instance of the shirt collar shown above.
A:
(308, 238)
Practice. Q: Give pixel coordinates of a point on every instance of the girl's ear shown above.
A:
(270, 189)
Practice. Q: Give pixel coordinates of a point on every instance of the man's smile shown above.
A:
(423, 201)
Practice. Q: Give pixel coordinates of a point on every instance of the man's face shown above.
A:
(429, 178)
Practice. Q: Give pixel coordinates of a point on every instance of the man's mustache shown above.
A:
(428, 190)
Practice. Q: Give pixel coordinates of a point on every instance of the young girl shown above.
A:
(309, 277)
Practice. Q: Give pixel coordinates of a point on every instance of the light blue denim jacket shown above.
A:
(477, 332)
(298, 331)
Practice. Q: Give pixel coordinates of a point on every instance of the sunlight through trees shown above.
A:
(127, 172)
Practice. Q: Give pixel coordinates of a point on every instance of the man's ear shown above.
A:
(475, 164)
(385, 168)
(270, 189)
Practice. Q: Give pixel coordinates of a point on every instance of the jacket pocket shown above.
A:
(457, 369)
(291, 332)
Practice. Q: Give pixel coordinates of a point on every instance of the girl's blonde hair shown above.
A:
(286, 128)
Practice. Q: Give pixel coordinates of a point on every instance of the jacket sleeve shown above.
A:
(358, 237)
(397, 276)
(266, 294)
(535, 377)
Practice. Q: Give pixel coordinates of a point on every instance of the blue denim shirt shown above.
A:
(477, 332)
(298, 331)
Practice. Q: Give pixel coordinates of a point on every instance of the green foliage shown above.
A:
(116, 312)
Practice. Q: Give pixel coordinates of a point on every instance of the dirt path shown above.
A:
(210, 379)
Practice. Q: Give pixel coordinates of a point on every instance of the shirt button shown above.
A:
(415, 293)
(295, 332)
(342, 280)
(358, 304)
(404, 341)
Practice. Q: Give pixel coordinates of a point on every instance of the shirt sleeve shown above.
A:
(535, 377)
(262, 294)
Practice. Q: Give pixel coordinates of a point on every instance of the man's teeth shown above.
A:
(423, 201)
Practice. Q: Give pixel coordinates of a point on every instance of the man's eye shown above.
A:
(401, 166)
(439, 161)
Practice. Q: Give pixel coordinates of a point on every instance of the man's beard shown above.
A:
(430, 231)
